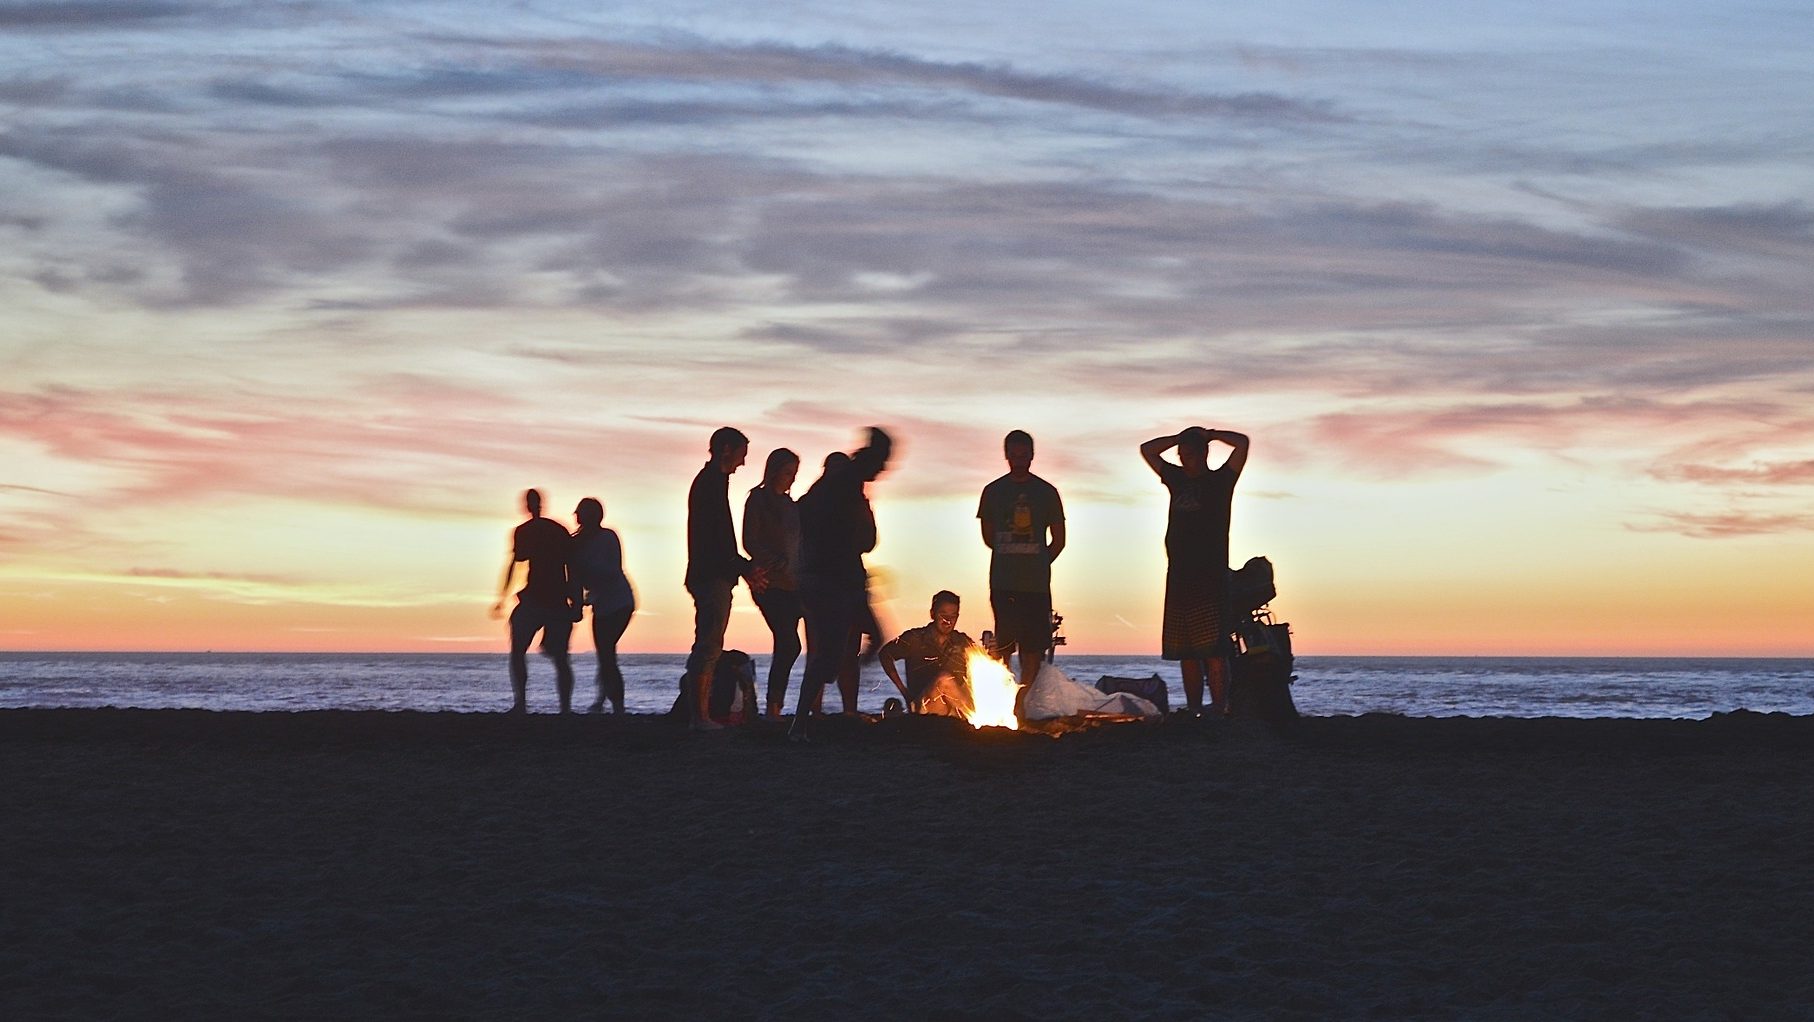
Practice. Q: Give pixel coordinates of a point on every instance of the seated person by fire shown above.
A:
(937, 658)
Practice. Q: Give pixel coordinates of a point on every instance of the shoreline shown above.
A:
(204, 863)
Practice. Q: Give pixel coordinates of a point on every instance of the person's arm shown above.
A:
(1238, 460)
(866, 526)
(982, 517)
(886, 656)
(760, 539)
(576, 593)
(510, 559)
(1056, 547)
(1152, 449)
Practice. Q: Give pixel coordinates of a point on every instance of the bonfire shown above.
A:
(992, 693)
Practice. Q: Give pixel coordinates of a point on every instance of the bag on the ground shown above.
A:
(1260, 686)
(733, 695)
(1150, 689)
(1053, 695)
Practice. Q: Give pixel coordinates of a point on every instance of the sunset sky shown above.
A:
(1515, 299)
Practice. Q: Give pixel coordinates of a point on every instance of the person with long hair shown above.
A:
(598, 568)
(771, 536)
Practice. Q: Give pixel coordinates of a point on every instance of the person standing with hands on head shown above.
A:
(1023, 526)
(713, 567)
(1197, 624)
(549, 602)
(771, 535)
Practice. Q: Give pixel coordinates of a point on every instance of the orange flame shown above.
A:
(992, 693)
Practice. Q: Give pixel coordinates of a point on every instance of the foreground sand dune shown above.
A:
(178, 864)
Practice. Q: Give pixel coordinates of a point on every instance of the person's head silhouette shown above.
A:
(1193, 449)
(782, 468)
(590, 513)
(729, 448)
(532, 503)
(1017, 448)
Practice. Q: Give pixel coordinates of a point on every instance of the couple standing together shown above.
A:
(566, 574)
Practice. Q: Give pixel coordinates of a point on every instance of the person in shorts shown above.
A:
(549, 601)
(1022, 521)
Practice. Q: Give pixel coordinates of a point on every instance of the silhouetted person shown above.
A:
(1023, 525)
(937, 658)
(836, 529)
(547, 603)
(1197, 622)
(850, 661)
(850, 665)
(771, 536)
(713, 566)
(598, 571)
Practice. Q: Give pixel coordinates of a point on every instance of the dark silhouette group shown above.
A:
(803, 560)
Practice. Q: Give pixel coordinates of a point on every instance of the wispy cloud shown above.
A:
(771, 64)
(1725, 525)
(1785, 473)
(75, 15)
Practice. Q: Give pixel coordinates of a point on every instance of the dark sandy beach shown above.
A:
(185, 864)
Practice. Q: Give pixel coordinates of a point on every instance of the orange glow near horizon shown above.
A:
(1379, 577)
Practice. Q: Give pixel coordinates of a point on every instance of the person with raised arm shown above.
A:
(1196, 624)
(837, 527)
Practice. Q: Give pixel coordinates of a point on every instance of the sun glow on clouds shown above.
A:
(284, 340)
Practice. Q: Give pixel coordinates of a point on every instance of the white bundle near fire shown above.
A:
(992, 692)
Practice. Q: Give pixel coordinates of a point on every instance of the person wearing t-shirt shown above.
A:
(1022, 520)
(1197, 623)
(548, 603)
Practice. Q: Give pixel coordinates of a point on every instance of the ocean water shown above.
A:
(478, 682)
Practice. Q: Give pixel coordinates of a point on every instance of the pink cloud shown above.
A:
(1727, 525)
